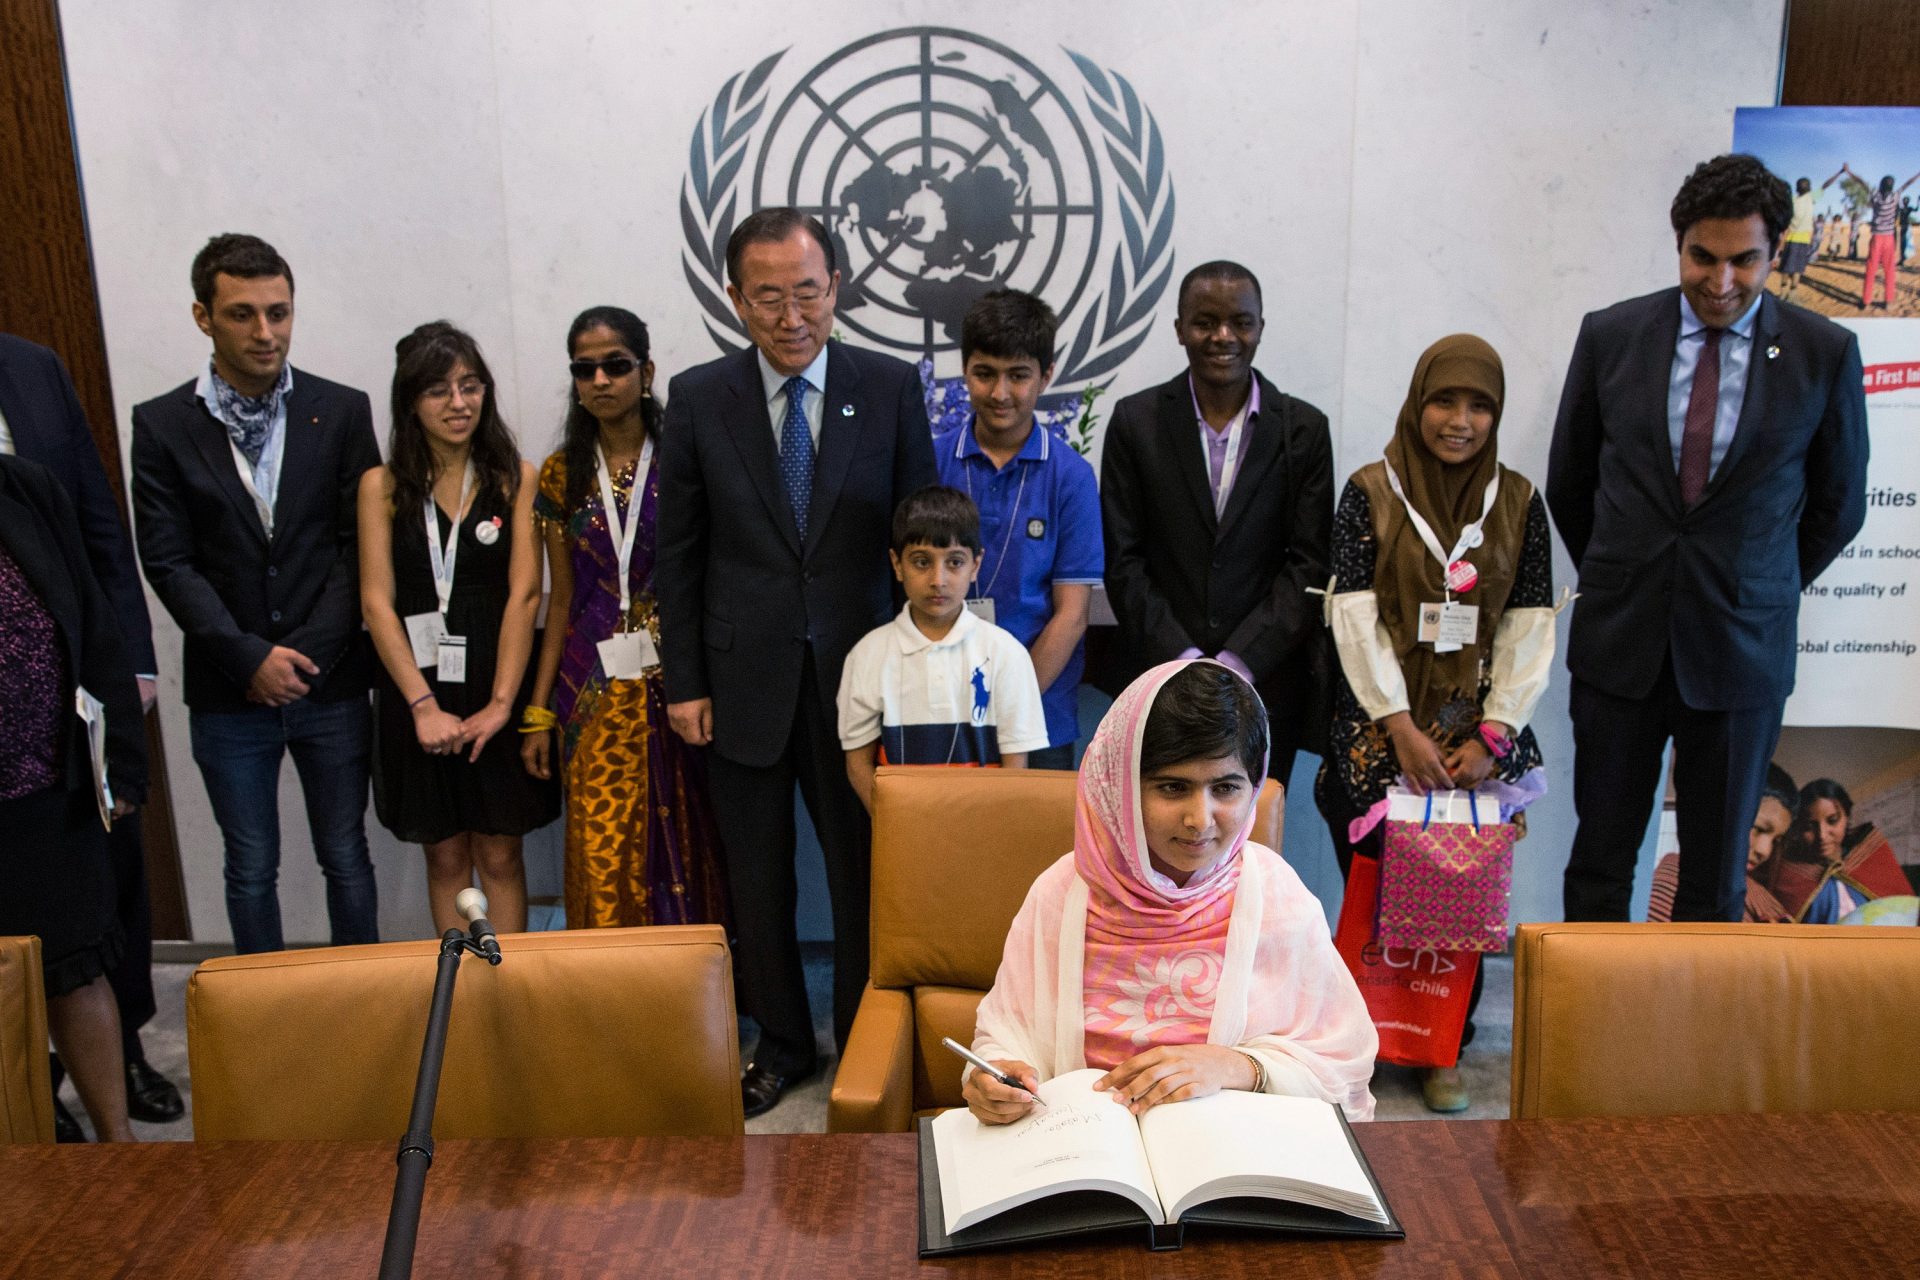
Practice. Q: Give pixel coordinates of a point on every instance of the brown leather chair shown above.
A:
(954, 852)
(593, 1033)
(1684, 1019)
(26, 1086)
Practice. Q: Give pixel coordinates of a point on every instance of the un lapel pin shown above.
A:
(1773, 353)
(846, 411)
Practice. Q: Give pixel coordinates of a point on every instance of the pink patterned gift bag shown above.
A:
(1444, 882)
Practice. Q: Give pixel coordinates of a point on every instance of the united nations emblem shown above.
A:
(945, 164)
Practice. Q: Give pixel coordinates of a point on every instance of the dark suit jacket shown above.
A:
(41, 531)
(48, 427)
(739, 595)
(1179, 578)
(1717, 586)
(234, 595)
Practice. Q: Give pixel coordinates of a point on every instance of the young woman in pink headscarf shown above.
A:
(1167, 949)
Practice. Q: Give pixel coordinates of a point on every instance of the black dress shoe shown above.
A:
(151, 1097)
(761, 1089)
(65, 1127)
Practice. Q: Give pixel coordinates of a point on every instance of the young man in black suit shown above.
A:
(41, 421)
(244, 485)
(1709, 461)
(780, 467)
(1216, 490)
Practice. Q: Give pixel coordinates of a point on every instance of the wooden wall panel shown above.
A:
(47, 295)
(1852, 53)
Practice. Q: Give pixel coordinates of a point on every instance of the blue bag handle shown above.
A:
(1473, 807)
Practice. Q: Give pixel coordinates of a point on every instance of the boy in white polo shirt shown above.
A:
(937, 685)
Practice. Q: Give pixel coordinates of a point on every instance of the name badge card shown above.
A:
(627, 655)
(1449, 626)
(451, 660)
(424, 633)
(981, 607)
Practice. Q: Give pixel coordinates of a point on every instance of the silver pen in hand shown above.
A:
(983, 1065)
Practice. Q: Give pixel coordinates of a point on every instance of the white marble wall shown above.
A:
(1391, 169)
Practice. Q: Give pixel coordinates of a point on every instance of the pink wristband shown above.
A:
(1499, 746)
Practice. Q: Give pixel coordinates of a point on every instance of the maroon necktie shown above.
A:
(1703, 405)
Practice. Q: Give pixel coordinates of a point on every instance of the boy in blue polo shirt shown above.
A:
(1038, 501)
(937, 685)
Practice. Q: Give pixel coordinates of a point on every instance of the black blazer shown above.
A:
(739, 595)
(41, 531)
(48, 427)
(1179, 578)
(234, 595)
(1717, 586)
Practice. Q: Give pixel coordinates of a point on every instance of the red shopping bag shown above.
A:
(1417, 999)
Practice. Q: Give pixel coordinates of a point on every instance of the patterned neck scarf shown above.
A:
(1155, 950)
(248, 418)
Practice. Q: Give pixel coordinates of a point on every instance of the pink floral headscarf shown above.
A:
(1155, 950)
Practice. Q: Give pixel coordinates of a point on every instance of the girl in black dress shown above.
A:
(451, 613)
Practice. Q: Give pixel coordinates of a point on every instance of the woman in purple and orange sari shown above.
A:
(641, 847)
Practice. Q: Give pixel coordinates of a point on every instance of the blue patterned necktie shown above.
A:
(796, 452)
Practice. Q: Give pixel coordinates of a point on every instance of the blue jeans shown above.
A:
(239, 757)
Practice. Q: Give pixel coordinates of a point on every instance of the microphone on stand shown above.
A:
(472, 906)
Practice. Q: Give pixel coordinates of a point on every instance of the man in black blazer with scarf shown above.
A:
(1216, 492)
(780, 467)
(1709, 461)
(41, 421)
(244, 486)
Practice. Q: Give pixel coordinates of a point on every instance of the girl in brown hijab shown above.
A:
(1442, 612)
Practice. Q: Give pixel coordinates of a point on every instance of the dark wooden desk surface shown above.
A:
(1743, 1196)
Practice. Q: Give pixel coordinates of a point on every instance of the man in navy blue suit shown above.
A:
(41, 420)
(780, 467)
(1709, 461)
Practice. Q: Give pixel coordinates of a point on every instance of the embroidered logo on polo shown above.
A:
(945, 164)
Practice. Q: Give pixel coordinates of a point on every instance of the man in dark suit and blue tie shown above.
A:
(1709, 461)
(244, 487)
(780, 467)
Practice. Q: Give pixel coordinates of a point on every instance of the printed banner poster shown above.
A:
(1851, 255)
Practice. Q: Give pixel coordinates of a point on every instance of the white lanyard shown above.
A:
(443, 559)
(623, 533)
(1470, 536)
(1006, 543)
(260, 506)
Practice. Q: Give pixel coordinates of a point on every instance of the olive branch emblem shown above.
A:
(707, 200)
(1116, 321)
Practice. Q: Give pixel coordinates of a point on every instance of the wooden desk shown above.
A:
(1744, 1196)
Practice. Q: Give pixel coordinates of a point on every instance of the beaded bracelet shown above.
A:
(1500, 747)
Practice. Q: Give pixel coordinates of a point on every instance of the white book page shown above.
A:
(1079, 1141)
(93, 714)
(1254, 1144)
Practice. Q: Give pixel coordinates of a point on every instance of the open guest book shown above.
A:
(1083, 1163)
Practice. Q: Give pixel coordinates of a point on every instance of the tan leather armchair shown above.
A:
(26, 1087)
(1683, 1019)
(593, 1033)
(954, 852)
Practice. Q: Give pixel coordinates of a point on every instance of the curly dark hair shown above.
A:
(242, 256)
(1202, 712)
(1733, 186)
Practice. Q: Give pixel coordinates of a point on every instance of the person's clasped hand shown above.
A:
(1176, 1073)
(994, 1103)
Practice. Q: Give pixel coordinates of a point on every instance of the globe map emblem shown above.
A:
(944, 164)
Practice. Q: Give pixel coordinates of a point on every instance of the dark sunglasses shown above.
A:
(614, 366)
